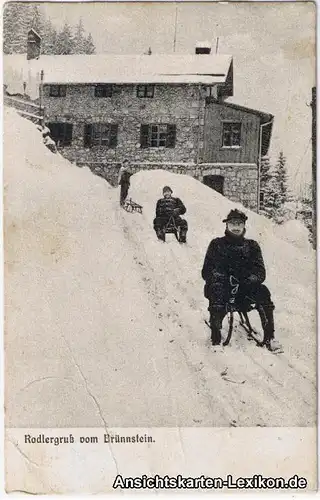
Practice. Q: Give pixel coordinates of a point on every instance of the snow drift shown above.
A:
(105, 325)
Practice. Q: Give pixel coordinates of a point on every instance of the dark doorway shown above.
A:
(215, 182)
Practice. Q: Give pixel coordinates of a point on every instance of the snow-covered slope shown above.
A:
(105, 325)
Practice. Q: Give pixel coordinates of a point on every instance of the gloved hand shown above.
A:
(251, 280)
(176, 211)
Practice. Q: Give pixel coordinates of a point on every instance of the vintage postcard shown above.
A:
(160, 247)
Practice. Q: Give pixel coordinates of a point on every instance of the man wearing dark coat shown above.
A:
(124, 181)
(168, 207)
(234, 255)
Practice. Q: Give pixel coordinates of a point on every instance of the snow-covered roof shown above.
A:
(102, 68)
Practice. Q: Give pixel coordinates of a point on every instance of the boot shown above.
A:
(267, 320)
(216, 318)
(161, 234)
(183, 236)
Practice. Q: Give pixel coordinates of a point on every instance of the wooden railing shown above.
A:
(25, 108)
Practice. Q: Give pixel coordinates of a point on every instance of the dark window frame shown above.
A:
(62, 137)
(145, 91)
(231, 134)
(101, 135)
(153, 135)
(57, 90)
(103, 90)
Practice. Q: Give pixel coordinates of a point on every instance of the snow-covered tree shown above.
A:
(282, 178)
(64, 43)
(89, 45)
(269, 200)
(37, 21)
(277, 198)
(79, 39)
(17, 19)
(50, 39)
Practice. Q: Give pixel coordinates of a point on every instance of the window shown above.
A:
(58, 90)
(156, 136)
(100, 134)
(103, 90)
(61, 133)
(261, 198)
(145, 90)
(216, 182)
(231, 134)
(212, 91)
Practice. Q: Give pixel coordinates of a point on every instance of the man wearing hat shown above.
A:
(234, 255)
(168, 207)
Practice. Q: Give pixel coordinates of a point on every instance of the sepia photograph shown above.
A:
(159, 187)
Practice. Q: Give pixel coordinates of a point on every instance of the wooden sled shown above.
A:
(132, 206)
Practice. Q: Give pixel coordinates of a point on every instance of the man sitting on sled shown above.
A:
(168, 211)
(233, 255)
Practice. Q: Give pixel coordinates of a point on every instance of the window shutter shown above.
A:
(144, 136)
(68, 134)
(113, 141)
(53, 130)
(171, 136)
(87, 136)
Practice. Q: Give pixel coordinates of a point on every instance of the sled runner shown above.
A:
(245, 324)
(242, 310)
(132, 206)
(171, 228)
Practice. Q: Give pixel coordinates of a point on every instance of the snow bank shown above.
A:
(296, 233)
(99, 311)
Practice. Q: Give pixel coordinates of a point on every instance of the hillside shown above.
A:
(105, 325)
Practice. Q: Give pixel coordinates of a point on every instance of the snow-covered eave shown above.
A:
(141, 81)
(106, 68)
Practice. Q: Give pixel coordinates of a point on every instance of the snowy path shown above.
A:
(275, 391)
(105, 325)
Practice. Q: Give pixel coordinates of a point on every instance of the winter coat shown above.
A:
(124, 177)
(241, 258)
(170, 206)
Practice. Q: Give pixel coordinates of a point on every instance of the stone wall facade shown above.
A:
(240, 181)
(182, 105)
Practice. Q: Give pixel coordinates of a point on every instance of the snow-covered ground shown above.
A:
(105, 325)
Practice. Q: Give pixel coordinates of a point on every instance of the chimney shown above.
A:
(203, 48)
(33, 45)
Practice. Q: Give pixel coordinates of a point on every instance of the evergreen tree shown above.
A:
(270, 201)
(271, 207)
(89, 45)
(19, 18)
(16, 23)
(265, 174)
(64, 43)
(37, 21)
(79, 40)
(50, 39)
(282, 178)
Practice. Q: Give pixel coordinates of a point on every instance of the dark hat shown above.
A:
(236, 214)
(167, 188)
